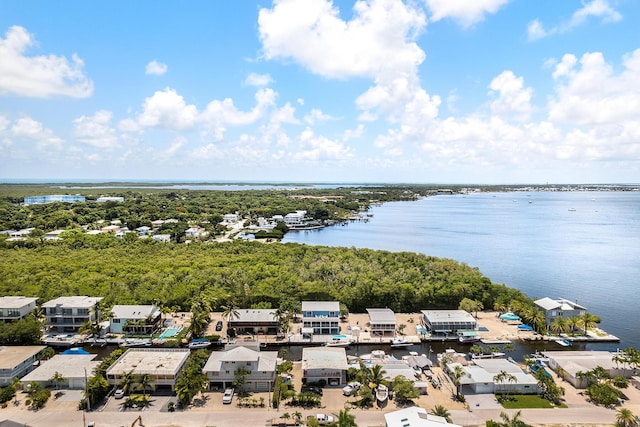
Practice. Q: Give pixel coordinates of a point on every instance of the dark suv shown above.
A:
(311, 389)
(219, 325)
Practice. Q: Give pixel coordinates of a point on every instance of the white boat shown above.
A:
(564, 343)
(400, 342)
(382, 393)
(199, 343)
(338, 343)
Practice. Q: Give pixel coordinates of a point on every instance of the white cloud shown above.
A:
(589, 92)
(373, 43)
(465, 12)
(208, 152)
(596, 8)
(536, 31)
(38, 76)
(376, 43)
(317, 148)
(167, 109)
(155, 68)
(96, 130)
(285, 114)
(220, 114)
(353, 133)
(316, 116)
(254, 79)
(27, 128)
(171, 151)
(514, 100)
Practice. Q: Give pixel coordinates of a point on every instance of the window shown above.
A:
(83, 311)
(67, 312)
(115, 320)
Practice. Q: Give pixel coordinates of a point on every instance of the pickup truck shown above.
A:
(323, 419)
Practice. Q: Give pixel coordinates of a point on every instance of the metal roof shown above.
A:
(381, 316)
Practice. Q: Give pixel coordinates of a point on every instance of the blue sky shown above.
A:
(433, 91)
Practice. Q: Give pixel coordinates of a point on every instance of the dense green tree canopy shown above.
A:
(240, 273)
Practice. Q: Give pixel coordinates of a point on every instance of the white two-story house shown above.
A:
(260, 367)
(15, 307)
(68, 314)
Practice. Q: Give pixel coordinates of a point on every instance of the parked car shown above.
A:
(350, 388)
(219, 325)
(323, 419)
(311, 389)
(119, 394)
(227, 397)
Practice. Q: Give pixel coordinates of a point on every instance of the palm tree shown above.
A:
(625, 418)
(375, 375)
(144, 380)
(514, 421)
(126, 381)
(559, 325)
(57, 378)
(457, 374)
(229, 311)
(476, 349)
(345, 419)
(573, 323)
(538, 320)
(441, 411)
(589, 321)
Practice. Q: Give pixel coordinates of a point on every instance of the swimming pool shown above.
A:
(170, 332)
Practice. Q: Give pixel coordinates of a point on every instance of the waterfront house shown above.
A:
(74, 368)
(163, 365)
(572, 362)
(254, 321)
(324, 363)
(68, 314)
(382, 321)
(558, 308)
(320, 317)
(16, 307)
(134, 319)
(261, 368)
(448, 322)
(17, 361)
(480, 377)
(414, 416)
(295, 218)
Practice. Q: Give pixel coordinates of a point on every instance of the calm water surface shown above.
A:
(582, 246)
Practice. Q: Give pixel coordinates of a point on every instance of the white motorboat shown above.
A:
(382, 393)
(400, 342)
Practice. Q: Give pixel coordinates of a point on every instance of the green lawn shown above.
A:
(523, 401)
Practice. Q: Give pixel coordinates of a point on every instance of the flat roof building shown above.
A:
(17, 361)
(448, 322)
(325, 363)
(136, 319)
(74, 368)
(255, 321)
(68, 314)
(16, 307)
(161, 364)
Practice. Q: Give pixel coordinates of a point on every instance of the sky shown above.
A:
(380, 91)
